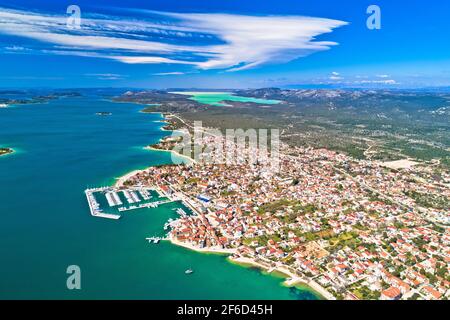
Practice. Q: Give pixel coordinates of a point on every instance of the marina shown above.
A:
(111, 202)
(94, 206)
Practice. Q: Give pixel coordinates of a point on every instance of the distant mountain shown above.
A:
(323, 94)
(378, 124)
(390, 101)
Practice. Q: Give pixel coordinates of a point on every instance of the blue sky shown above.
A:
(224, 44)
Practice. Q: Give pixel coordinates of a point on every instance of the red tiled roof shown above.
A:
(391, 292)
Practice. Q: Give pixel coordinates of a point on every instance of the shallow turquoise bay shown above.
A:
(63, 147)
(218, 98)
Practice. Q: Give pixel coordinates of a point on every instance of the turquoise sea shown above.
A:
(63, 147)
(218, 98)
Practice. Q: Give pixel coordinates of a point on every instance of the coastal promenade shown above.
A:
(189, 246)
(294, 278)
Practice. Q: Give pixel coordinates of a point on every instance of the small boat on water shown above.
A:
(189, 271)
(102, 113)
(153, 239)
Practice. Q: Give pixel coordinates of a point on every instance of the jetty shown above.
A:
(113, 199)
(145, 194)
(154, 240)
(181, 212)
(94, 206)
(155, 204)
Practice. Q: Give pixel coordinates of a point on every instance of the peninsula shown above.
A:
(348, 225)
(345, 227)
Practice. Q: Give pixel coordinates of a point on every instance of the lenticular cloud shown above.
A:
(205, 41)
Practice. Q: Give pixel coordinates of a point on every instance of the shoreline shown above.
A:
(291, 280)
(189, 160)
(121, 180)
(185, 245)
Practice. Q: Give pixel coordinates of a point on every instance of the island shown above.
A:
(34, 99)
(5, 151)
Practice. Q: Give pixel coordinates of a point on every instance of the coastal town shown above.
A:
(213, 159)
(348, 228)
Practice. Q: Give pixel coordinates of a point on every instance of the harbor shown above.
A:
(111, 202)
(94, 206)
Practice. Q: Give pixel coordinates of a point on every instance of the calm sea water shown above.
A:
(218, 98)
(62, 147)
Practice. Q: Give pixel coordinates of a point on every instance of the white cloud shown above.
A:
(254, 40)
(388, 82)
(16, 48)
(175, 73)
(146, 60)
(237, 42)
(105, 76)
(382, 76)
(335, 76)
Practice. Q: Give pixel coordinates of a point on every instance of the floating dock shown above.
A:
(154, 239)
(113, 199)
(146, 205)
(145, 194)
(181, 212)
